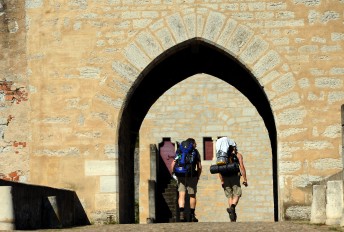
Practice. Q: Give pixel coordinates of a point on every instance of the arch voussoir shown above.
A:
(149, 44)
(226, 32)
(219, 30)
(136, 56)
(266, 63)
(239, 39)
(289, 100)
(176, 24)
(213, 26)
(190, 25)
(254, 49)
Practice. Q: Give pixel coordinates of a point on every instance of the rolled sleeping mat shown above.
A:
(232, 168)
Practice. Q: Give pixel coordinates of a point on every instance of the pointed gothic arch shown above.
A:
(183, 60)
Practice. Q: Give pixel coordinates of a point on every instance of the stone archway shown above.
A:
(180, 46)
(191, 57)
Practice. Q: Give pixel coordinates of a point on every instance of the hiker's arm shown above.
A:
(242, 168)
(172, 165)
(221, 179)
(199, 165)
(199, 168)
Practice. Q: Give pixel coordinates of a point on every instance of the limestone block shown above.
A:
(266, 63)
(6, 209)
(254, 50)
(284, 84)
(126, 71)
(175, 23)
(213, 26)
(165, 37)
(190, 25)
(100, 167)
(240, 37)
(318, 209)
(108, 184)
(149, 43)
(334, 198)
(136, 56)
(227, 31)
(30, 4)
(298, 212)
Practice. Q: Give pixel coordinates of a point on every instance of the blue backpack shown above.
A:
(185, 159)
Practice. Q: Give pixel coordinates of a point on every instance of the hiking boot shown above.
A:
(232, 214)
(193, 218)
(181, 217)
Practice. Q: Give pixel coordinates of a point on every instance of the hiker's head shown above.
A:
(231, 149)
(232, 146)
(191, 140)
(235, 147)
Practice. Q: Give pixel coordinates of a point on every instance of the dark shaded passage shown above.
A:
(33, 210)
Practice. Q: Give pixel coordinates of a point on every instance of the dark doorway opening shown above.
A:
(174, 65)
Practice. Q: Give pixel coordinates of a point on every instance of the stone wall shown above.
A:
(14, 90)
(81, 61)
(204, 106)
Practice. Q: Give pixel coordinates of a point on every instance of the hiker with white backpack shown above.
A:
(227, 154)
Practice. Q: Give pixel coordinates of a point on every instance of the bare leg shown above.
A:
(233, 200)
(181, 199)
(193, 201)
(181, 203)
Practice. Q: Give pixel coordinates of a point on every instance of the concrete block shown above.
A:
(334, 198)
(318, 209)
(6, 209)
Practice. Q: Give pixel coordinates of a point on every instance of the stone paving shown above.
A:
(208, 226)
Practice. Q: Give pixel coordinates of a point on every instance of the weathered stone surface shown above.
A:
(334, 202)
(67, 71)
(318, 210)
(7, 219)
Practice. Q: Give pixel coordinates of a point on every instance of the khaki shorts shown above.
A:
(234, 191)
(187, 183)
(232, 186)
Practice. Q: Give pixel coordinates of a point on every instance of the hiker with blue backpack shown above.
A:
(231, 168)
(187, 168)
